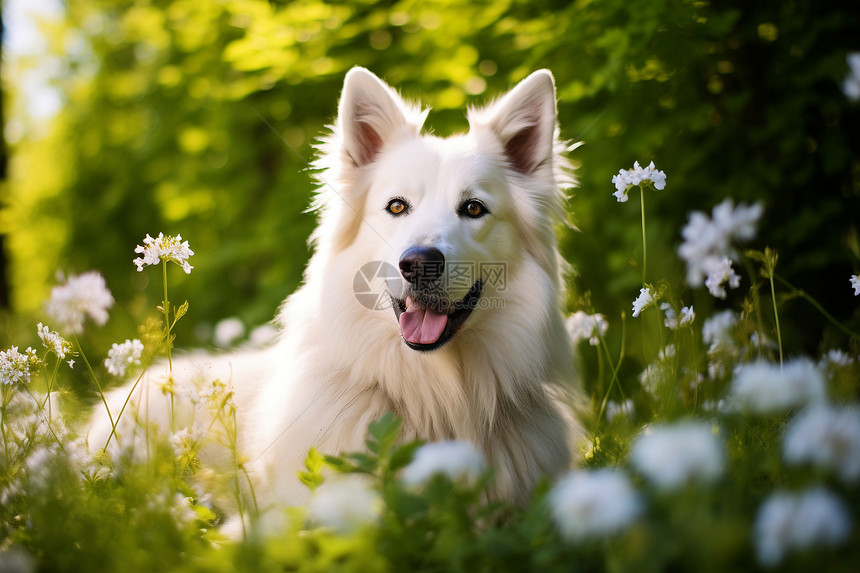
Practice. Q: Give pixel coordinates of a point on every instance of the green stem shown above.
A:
(756, 304)
(644, 242)
(96, 380)
(3, 420)
(614, 381)
(47, 399)
(124, 404)
(805, 296)
(165, 305)
(47, 419)
(775, 314)
(168, 327)
(601, 369)
(235, 445)
(696, 370)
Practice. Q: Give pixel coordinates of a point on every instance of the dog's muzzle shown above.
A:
(427, 318)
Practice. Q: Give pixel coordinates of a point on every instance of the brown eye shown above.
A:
(473, 209)
(396, 207)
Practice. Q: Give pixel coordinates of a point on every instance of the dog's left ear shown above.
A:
(524, 121)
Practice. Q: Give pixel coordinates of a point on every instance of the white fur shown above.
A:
(338, 365)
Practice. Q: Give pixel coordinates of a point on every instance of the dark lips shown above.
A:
(462, 309)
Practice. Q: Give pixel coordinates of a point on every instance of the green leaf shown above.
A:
(180, 312)
(384, 433)
(402, 455)
(314, 463)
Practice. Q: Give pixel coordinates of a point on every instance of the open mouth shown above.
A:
(425, 328)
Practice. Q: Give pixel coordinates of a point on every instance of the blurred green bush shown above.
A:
(197, 118)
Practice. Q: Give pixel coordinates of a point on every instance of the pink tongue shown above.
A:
(421, 325)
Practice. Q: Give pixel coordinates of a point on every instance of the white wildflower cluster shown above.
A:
(80, 296)
(628, 178)
(762, 387)
(164, 248)
(717, 330)
(583, 326)
(345, 504)
(645, 298)
(718, 335)
(216, 394)
(121, 356)
(720, 272)
(789, 522)
(53, 341)
(827, 437)
(673, 456)
(855, 284)
(671, 319)
(16, 367)
(658, 371)
(177, 505)
(707, 247)
(186, 442)
(458, 460)
(838, 357)
(589, 504)
(851, 83)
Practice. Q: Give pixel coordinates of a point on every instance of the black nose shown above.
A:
(422, 264)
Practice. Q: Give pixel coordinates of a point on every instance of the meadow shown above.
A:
(713, 295)
(729, 455)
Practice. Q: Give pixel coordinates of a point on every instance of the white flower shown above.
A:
(658, 372)
(736, 224)
(717, 330)
(584, 326)
(345, 504)
(839, 357)
(590, 504)
(227, 331)
(855, 284)
(671, 456)
(614, 409)
(121, 356)
(187, 441)
(637, 176)
(643, 300)
(720, 271)
(687, 316)
(53, 341)
(851, 84)
(457, 460)
(763, 387)
(707, 240)
(671, 319)
(216, 394)
(828, 437)
(788, 522)
(16, 367)
(164, 248)
(81, 296)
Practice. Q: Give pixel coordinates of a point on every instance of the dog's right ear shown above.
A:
(370, 115)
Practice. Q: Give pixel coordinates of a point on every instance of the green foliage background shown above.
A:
(198, 118)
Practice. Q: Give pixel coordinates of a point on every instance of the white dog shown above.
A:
(434, 292)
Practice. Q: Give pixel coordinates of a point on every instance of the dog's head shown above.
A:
(451, 220)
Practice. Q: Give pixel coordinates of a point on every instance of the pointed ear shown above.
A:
(371, 114)
(524, 121)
